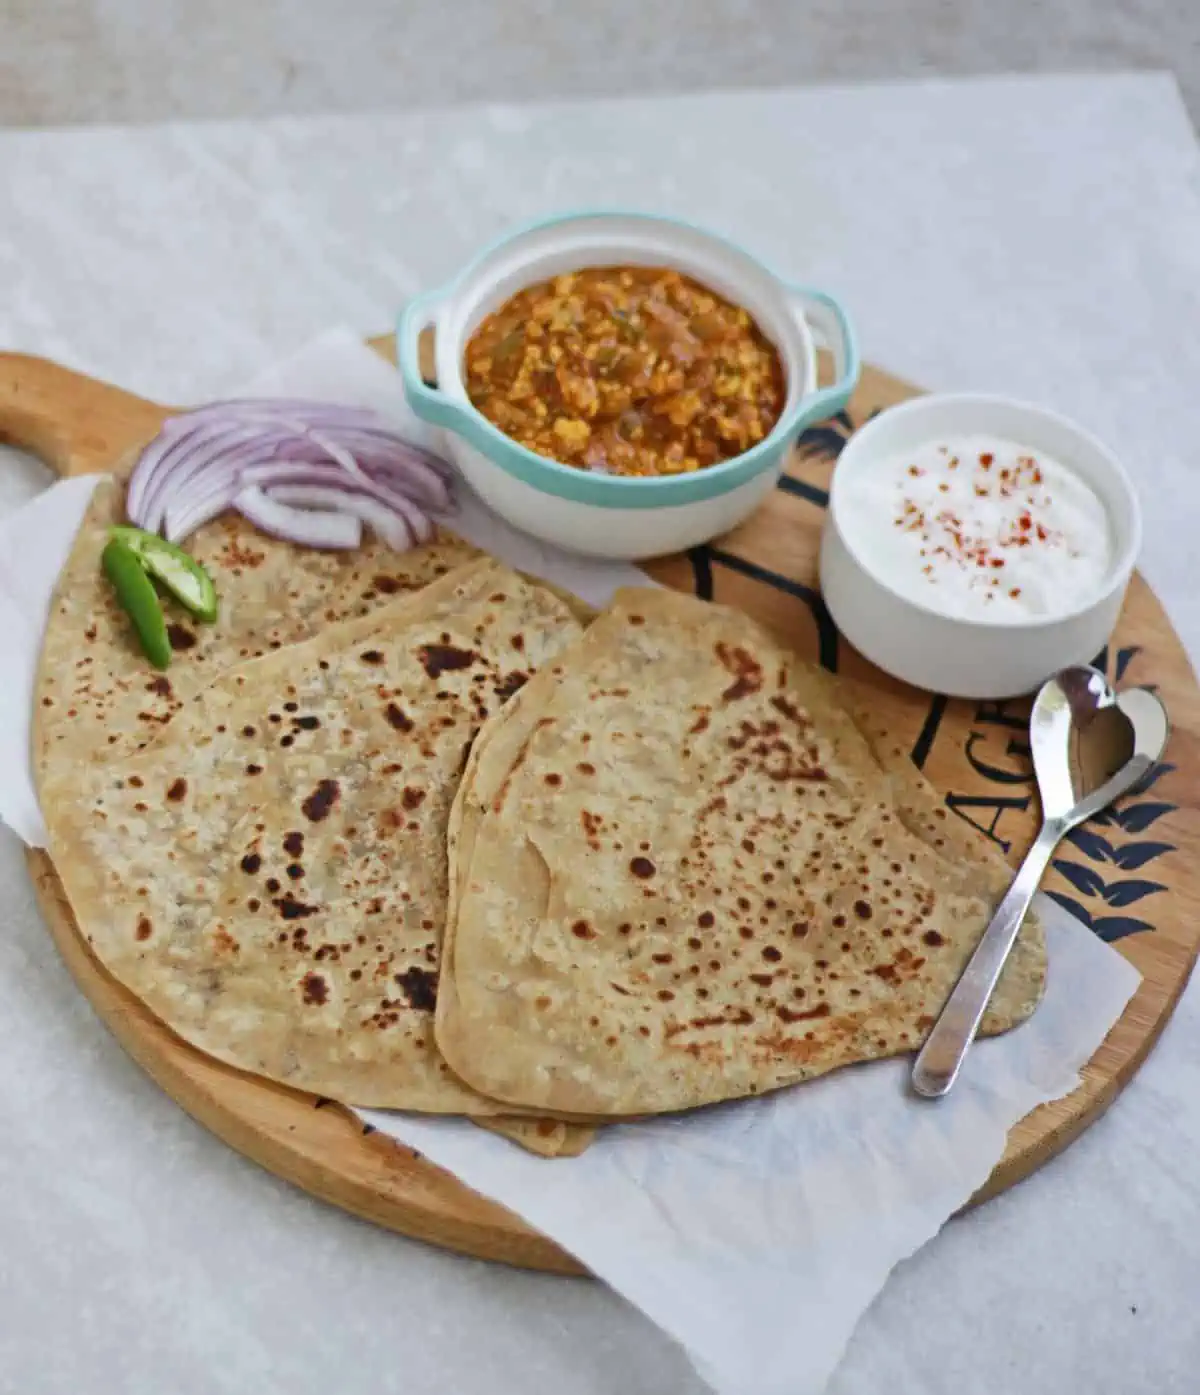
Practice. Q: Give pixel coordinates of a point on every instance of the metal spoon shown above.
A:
(1090, 745)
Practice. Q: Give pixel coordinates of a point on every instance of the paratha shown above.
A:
(95, 693)
(681, 873)
(268, 872)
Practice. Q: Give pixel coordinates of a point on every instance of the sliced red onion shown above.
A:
(415, 480)
(363, 443)
(385, 522)
(339, 531)
(295, 472)
(420, 525)
(183, 520)
(252, 451)
(205, 449)
(281, 473)
(148, 462)
(192, 506)
(335, 452)
(398, 456)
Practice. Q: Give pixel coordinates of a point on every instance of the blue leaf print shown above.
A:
(1155, 774)
(1135, 855)
(1084, 879)
(1136, 818)
(1126, 893)
(1151, 777)
(1114, 927)
(1093, 845)
(1125, 657)
(824, 440)
(1069, 904)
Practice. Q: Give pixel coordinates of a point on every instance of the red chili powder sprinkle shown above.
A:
(943, 534)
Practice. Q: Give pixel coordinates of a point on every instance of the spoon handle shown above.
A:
(947, 1044)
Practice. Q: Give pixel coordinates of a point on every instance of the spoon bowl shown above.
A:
(1090, 746)
(1085, 737)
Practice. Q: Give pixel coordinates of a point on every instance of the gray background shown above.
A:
(67, 61)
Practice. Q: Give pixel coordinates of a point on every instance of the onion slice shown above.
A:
(416, 480)
(420, 525)
(182, 519)
(386, 523)
(148, 463)
(204, 450)
(339, 531)
(281, 473)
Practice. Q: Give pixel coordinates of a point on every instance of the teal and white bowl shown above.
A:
(611, 515)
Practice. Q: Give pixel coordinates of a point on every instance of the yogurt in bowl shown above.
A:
(982, 528)
(975, 545)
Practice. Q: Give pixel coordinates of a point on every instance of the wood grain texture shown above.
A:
(1133, 878)
(315, 1143)
(75, 424)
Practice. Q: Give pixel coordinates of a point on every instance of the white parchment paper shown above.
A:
(757, 1233)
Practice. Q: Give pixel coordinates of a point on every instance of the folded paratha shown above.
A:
(96, 695)
(268, 872)
(681, 873)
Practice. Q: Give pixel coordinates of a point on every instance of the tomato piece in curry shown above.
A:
(626, 371)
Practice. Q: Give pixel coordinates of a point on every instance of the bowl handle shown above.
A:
(833, 331)
(429, 403)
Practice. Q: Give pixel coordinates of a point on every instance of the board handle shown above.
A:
(75, 424)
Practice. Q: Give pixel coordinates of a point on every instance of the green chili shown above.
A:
(171, 566)
(138, 599)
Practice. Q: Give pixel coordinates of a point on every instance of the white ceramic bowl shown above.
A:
(967, 657)
(610, 515)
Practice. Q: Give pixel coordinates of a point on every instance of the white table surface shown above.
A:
(1038, 237)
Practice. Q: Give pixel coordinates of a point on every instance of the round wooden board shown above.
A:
(1131, 875)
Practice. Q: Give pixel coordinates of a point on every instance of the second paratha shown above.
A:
(681, 874)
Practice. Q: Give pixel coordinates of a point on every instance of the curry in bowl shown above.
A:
(634, 371)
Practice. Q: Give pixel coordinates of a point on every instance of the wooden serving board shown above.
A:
(1133, 875)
